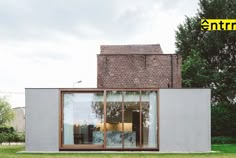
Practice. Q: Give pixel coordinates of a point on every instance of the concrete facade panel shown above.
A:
(42, 115)
(185, 120)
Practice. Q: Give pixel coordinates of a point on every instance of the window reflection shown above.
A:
(83, 118)
(131, 119)
(149, 121)
(114, 119)
(126, 127)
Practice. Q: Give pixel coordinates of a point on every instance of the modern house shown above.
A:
(138, 105)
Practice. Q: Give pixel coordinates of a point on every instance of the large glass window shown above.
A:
(149, 121)
(83, 120)
(114, 119)
(132, 119)
(128, 122)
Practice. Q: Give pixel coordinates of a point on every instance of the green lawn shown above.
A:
(224, 151)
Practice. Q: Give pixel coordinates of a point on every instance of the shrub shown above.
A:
(9, 134)
(21, 137)
(223, 120)
(5, 129)
(3, 138)
(223, 140)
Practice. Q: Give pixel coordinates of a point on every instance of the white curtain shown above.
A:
(152, 131)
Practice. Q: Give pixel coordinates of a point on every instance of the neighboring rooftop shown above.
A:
(18, 121)
(137, 66)
(131, 49)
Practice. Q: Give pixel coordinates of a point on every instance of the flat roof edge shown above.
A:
(114, 88)
(138, 54)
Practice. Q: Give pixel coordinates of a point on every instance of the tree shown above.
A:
(216, 50)
(209, 61)
(6, 113)
(194, 70)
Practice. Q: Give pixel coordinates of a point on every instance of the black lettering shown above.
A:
(212, 24)
(221, 23)
(205, 27)
(226, 26)
(205, 21)
(232, 24)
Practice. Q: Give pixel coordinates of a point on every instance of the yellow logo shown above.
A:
(218, 24)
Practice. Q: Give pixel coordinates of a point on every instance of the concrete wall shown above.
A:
(185, 120)
(42, 115)
(18, 121)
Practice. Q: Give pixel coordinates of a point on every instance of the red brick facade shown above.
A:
(119, 68)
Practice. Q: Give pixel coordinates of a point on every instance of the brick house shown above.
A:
(137, 66)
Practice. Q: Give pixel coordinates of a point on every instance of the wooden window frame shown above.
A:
(92, 147)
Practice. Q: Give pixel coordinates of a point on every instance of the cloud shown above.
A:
(32, 19)
(54, 43)
(119, 19)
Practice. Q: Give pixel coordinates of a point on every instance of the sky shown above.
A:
(53, 43)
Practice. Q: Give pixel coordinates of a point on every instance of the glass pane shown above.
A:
(83, 119)
(131, 119)
(114, 119)
(149, 110)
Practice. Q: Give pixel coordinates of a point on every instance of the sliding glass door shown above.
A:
(132, 119)
(114, 121)
(149, 119)
(83, 118)
(109, 119)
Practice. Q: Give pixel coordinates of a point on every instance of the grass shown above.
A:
(224, 151)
